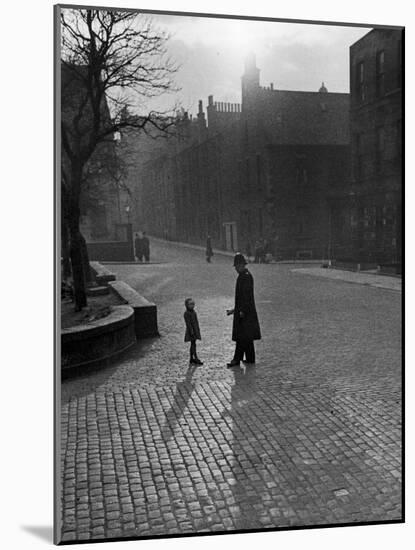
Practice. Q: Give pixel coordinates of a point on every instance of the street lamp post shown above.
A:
(117, 141)
(329, 239)
(129, 231)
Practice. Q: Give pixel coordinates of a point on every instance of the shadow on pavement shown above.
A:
(248, 485)
(184, 390)
(90, 378)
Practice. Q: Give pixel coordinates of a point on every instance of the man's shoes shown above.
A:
(233, 363)
(248, 362)
(197, 361)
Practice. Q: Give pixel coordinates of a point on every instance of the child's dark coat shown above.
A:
(192, 326)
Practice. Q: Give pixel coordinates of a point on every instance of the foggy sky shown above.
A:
(211, 54)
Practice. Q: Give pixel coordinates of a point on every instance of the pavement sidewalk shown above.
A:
(194, 246)
(227, 252)
(370, 279)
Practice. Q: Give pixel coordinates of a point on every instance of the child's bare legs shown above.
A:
(192, 349)
(193, 354)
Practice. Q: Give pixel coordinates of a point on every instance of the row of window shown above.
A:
(367, 223)
(360, 151)
(378, 216)
(361, 80)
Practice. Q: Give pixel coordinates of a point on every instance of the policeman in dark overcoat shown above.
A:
(209, 250)
(245, 319)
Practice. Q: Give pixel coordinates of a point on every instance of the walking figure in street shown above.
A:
(258, 251)
(248, 251)
(245, 319)
(146, 247)
(262, 250)
(192, 330)
(139, 247)
(209, 250)
(266, 252)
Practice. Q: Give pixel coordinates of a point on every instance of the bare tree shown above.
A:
(112, 62)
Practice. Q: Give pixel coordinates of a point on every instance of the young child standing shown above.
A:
(192, 330)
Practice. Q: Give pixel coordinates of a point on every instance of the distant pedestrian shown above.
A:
(263, 251)
(245, 319)
(266, 252)
(258, 251)
(139, 246)
(192, 330)
(275, 247)
(209, 250)
(248, 251)
(146, 247)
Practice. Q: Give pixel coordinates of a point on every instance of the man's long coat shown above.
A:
(139, 246)
(246, 327)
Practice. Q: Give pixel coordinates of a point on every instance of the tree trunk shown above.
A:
(76, 239)
(85, 260)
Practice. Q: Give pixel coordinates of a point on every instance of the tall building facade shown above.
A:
(367, 219)
(260, 169)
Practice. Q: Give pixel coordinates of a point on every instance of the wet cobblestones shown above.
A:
(311, 435)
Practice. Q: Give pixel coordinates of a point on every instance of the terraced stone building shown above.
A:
(262, 168)
(374, 226)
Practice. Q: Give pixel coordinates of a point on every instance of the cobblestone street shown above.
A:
(310, 435)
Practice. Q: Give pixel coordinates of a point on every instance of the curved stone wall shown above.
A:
(85, 345)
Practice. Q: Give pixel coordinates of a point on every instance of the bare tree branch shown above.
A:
(112, 62)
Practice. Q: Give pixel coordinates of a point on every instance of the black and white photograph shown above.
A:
(229, 233)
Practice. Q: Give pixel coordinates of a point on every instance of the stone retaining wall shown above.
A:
(88, 344)
(145, 312)
(98, 340)
(111, 251)
(101, 274)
